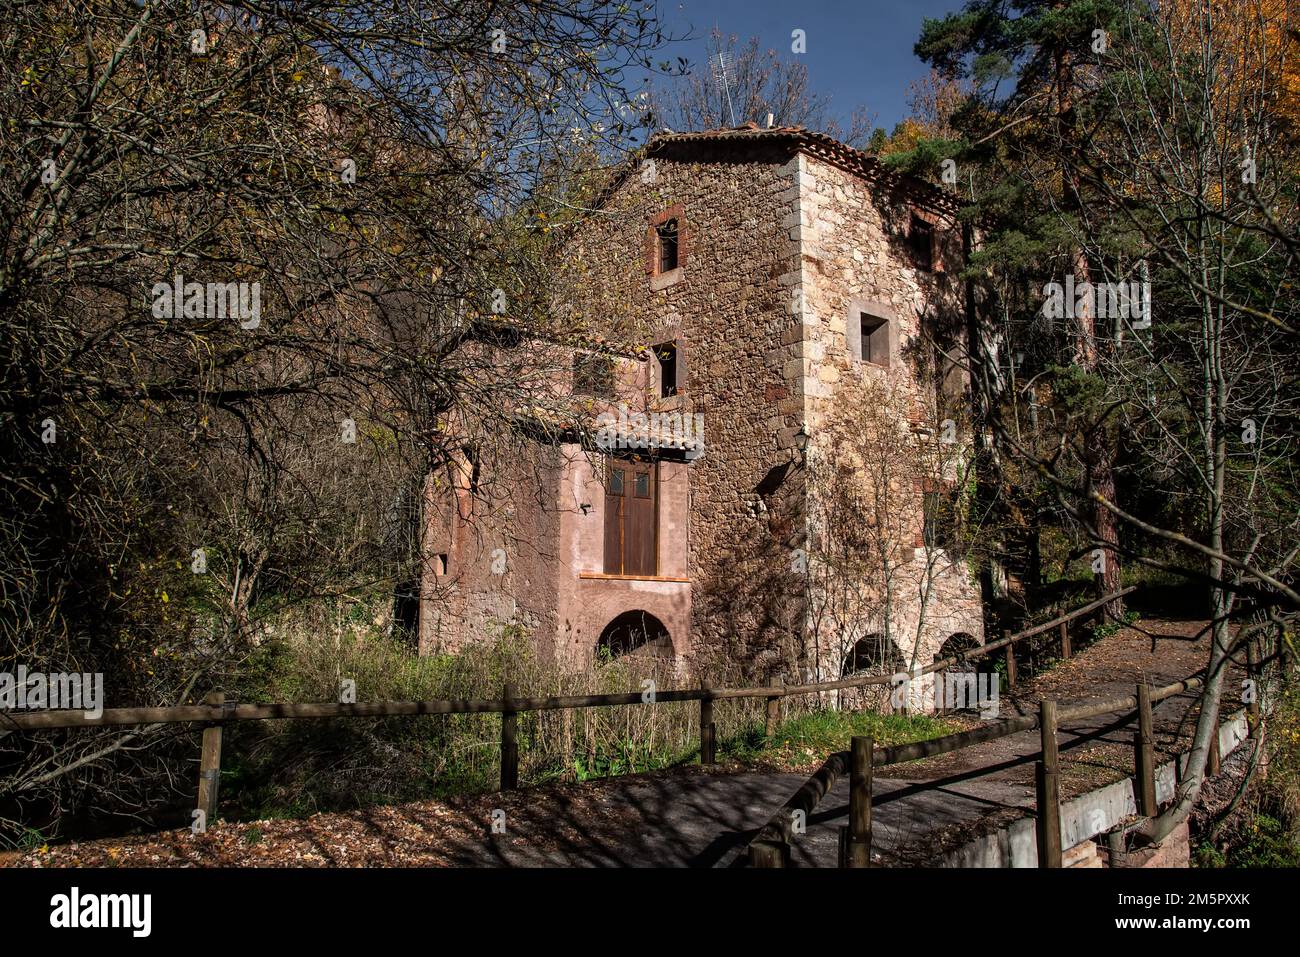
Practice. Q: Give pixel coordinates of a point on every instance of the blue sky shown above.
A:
(859, 53)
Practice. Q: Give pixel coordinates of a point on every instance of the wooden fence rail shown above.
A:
(771, 846)
(215, 712)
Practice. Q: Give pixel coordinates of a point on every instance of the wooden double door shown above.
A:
(631, 517)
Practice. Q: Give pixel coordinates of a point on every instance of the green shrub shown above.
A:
(297, 767)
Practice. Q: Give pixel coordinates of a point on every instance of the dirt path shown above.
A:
(697, 818)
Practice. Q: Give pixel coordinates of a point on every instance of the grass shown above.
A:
(798, 741)
(808, 738)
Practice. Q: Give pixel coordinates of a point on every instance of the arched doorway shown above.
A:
(957, 643)
(871, 655)
(634, 633)
(955, 685)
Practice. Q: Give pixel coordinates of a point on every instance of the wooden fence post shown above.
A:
(1065, 640)
(773, 711)
(1145, 756)
(855, 837)
(509, 743)
(766, 854)
(1049, 789)
(210, 762)
(1010, 656)
(707, 730)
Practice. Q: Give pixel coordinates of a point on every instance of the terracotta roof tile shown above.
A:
(821, 145)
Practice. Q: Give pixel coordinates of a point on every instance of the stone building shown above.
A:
(798, 301)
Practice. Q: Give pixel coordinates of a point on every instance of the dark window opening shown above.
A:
(507, 337)
(440, 565)
(875, 655)
(932, 518)
(593, 375)
(474, 467)
(875, 339)
(920, 238)
(406, 609)
(403, 525)
(940, 517)
(947, 373)
(667, 233)
(666, 353)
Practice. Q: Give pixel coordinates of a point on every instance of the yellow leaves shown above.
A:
(165, 598)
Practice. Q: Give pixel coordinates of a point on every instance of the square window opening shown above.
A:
(940, 518)
(874, 339)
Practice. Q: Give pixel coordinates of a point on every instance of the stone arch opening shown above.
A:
(875, 655)
(964, 685)
(957, 643)
(634, 633)
(872, 654)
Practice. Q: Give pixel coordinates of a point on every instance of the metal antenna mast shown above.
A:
(722, 74)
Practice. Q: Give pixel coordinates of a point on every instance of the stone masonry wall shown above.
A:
(728, 304)
(855, 258)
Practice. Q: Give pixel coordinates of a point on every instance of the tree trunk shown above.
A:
(1101, 479)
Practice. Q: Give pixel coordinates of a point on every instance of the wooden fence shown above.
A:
(215, 711)
(771, 846)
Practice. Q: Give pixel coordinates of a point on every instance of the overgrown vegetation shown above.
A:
(291, 768)
(1264, 831)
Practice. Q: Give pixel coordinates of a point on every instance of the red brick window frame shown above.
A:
(652, 242)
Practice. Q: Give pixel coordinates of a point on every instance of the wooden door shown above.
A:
(631, 518)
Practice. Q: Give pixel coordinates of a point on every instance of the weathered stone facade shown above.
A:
(786, 241)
